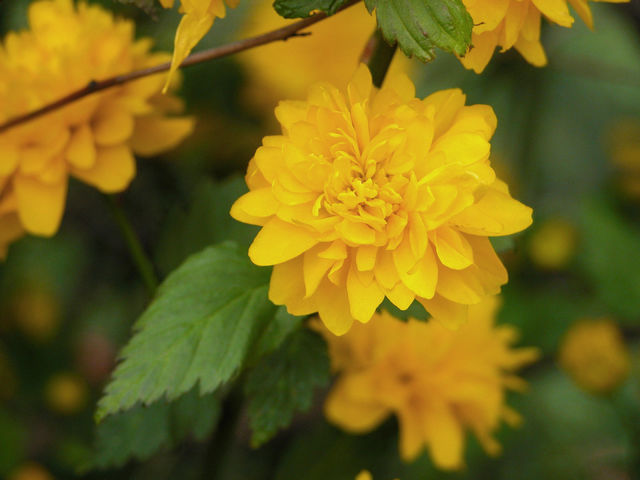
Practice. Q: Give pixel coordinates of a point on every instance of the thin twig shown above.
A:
(94, 86)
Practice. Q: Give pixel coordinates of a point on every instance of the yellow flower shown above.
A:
(196, 22)
(379, 194)
(593, 353)
(30, 471)
(66, 393)
(516, 23)
(553, 244)
(438, 382)
(92, 139)
(329, 54)
(364, 475)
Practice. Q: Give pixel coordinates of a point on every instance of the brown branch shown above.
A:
(94, 86)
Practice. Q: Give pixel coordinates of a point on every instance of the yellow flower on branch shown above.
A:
(379, 194)
(92, 139)
(593, 353)
(196, 22)
(516, 24)
(439, 383)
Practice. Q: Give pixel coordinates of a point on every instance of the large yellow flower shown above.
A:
(92, 139)
(594, 354)
(438, 382)
(196, 22)
(379, 194)
(331, 51)
(516, 23)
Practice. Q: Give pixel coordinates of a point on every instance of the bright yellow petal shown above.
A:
(280, 241)
(363, 299)
(445, 436)
(452, 248)
(255, 207)
(286, 288)
(555, 10)
(483, 46)
(451, 314)
(190, 31)
(112, 126)
(349, 406)
(155, 134)
(113, 171)
(40, 205)
(81, 151)
(333, 307)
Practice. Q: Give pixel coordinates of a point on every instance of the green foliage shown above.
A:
(283, 383)
(304, 8)
(204, 222)
(200, 328)
(141, 431)
(609, 258)
(418, 26)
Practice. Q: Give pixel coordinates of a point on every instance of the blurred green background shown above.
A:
(67, 303)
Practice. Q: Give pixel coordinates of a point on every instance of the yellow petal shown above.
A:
(315, 269)
(483, 46)
(401, 296)
(411, 436)
(286, 288)
(360, 86)
(81, 151)
(445, 436)
(255, 206)
(532, 51)
(112, 172)
(494, 214)
(280, 241)
(40, 205)
(190, 31)
(112, 126)
(155, 134)
(487, 15)
(451, 314)
(555, 10)
(460, 286)
(582, 9)
(347, 407)
(363, 299)
(333, 307)
(452, 248)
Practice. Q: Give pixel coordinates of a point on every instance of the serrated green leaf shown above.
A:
(420, 25)
(283, 383)
(277, 331)
(141, 431)
(200, 328)
(304, 8)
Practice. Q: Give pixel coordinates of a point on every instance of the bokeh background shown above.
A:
(568, 144)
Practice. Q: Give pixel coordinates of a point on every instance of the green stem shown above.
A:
(139, 257)
(380, 59)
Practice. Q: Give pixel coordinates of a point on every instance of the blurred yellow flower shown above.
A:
(30, 471)
(364, 475)
(438, 382)
(593, 353)
(66, 393)
(379, 194)
(92, 139)
(286, 69)
(624, 139)
(553, 244)
(196, 22)
(36, 311)
(516, 23)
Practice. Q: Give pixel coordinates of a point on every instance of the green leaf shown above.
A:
(304, 8)
(201, 327)
(420, 25)
(283, 383)
(206, 221)
(141, 431)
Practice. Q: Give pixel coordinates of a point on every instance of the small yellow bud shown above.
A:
(36, 311)
(594, 355)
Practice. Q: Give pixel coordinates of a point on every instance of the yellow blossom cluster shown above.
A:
(437, 381)
(379, 194)
(516, 24)
(593, 353)
(197, 20)
(92, 139)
